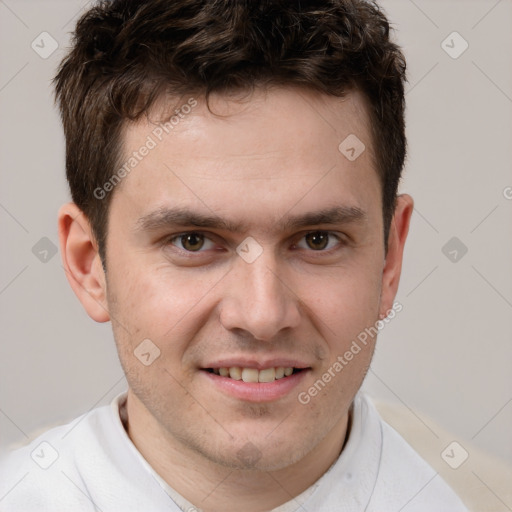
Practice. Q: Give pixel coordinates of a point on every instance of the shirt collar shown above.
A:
(346, 486)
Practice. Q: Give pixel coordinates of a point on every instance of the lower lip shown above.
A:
(256, 391)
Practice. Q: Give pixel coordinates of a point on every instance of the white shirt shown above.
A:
(91, 464)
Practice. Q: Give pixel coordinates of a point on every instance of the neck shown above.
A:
(215, 488)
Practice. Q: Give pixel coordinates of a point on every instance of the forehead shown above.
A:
(265, 151)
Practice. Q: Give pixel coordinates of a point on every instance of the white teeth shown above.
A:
(235, 373)
(267, 375)
(250, 375)
(254, 375)
(279, 372)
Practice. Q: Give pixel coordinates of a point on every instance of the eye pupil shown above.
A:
(192, 241)
(317, 240)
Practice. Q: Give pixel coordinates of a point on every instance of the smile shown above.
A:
(264, 384)
(253, 374)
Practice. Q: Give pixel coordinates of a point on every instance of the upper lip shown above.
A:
(257, 363)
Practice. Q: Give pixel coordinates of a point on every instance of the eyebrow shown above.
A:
(182, 217)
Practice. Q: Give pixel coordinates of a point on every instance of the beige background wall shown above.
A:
(446, 356)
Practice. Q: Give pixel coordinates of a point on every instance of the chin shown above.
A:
(251, 458)
(263, 451)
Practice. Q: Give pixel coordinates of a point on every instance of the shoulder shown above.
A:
(378, 471)
(405, 480)
(31, 476)
(89, 464)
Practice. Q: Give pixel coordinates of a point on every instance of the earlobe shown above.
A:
(82, 262)
(396, 243)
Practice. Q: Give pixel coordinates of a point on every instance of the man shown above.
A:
(234, 170)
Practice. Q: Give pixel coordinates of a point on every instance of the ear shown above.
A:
(82, 262)
(398, 231)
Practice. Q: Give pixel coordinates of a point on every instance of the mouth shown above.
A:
(265, 375)
(255, 379)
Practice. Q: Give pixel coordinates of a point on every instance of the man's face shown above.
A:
(294, 295)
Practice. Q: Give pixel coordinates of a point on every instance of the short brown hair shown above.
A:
(126, 53)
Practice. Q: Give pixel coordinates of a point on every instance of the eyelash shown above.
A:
(340, 242)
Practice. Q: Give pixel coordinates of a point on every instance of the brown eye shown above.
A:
(317, 240)
(192, 242)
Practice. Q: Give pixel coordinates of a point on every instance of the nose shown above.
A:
(258, 300)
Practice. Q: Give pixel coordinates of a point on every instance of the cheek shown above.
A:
(344, 302)
(159, 303)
